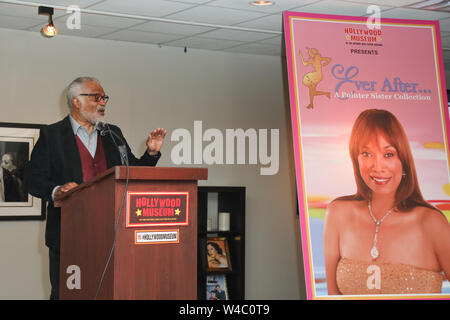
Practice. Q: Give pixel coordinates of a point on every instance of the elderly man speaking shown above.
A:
(72, 151)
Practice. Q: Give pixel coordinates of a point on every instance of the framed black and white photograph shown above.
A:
(16, 143)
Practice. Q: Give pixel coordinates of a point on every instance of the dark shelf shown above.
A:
(221, 233)
(230, 199)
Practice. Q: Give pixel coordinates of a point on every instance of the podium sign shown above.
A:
(157, 208)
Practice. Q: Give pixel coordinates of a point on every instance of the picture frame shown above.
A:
(218, 254)
(216, 287)
(327, 102)
(17, 141)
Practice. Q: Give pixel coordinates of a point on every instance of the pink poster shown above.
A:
(370, 127)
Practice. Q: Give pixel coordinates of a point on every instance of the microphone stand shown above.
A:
(124, 159)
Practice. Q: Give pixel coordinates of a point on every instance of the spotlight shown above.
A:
(49, 30)
(262, 3)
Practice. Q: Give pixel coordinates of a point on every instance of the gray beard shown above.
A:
(92, 118)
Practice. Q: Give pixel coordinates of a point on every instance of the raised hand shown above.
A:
(155, 140)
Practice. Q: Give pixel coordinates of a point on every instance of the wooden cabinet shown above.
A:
(232, 201)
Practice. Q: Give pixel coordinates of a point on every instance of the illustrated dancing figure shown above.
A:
(312, 79)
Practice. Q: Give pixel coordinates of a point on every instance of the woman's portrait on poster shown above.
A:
(386, 238)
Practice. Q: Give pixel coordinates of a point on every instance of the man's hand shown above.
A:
(155, 140)
(61, 191)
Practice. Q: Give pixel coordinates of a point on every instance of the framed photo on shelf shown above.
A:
(217, 254)
(16, 143)
(216, 287)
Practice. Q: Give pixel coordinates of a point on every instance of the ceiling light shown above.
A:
(49, 30)
(262, 3)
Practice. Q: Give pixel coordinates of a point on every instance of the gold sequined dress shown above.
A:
(358, 277)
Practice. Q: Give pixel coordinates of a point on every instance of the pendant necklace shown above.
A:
(374, 251)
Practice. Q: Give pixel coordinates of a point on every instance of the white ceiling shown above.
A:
(226, 25)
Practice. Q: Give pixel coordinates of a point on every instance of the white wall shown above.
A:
(153, 87)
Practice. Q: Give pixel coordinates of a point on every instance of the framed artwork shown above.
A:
(16, 143)
(216, 287)
(218, 254)
(369, 131)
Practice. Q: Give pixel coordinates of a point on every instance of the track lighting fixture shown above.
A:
(49, 30)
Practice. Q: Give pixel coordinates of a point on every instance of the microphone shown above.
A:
(104, 128)
(101, 126)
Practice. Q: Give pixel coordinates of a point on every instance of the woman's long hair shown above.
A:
(367, 125)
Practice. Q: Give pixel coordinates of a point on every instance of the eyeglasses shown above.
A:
(97, 96)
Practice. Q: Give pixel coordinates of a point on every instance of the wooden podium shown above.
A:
(155, 254)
